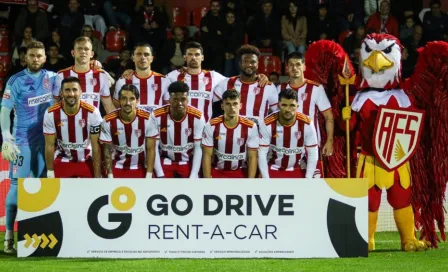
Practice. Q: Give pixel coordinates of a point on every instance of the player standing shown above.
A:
(29, 93)
(128, 150)
(76, 126)
(180, 128)
(285, 135)
(232, 141)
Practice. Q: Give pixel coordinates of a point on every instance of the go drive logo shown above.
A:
(124, 219)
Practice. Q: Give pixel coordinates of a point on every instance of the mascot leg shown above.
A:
(399, 199)
(374, 205)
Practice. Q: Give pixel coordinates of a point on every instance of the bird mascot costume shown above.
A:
(400, 126)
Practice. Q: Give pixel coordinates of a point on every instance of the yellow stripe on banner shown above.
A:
(354, 188)
(44, 198)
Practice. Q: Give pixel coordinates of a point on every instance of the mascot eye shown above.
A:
(368, 49)
(388, 49)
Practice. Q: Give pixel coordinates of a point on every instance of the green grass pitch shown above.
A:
(386, 258)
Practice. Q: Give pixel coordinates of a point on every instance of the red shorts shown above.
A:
(176, 170)
(296, 173)
(72, 169)
(238, 173)
(129, 173)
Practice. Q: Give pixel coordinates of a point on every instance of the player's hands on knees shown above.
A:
(9, 148)
(346, 113)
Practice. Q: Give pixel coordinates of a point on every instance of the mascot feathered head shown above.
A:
(380, 62)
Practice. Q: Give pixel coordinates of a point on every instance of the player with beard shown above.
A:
(312, 101)
(29, 93)
(76, 126)
(179, 136)
(285, 135)
(125, 133)
(151, 85)
(256, 99)
(94, 82)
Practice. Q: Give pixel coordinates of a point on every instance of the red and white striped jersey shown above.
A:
(287, 143)
(152, 89)
(128, 139)
(176, 138)
(72, 131)
(94, 84)
(312, 99)
(230, 144)
(201, 88)
(256, 101)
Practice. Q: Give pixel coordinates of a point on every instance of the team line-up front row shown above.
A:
(174, 141)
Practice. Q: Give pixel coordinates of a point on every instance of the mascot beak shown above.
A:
(377, 62)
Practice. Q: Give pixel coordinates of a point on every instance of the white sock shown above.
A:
(9, 235)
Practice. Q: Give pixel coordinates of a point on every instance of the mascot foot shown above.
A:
(371, 244)
(414, 245)
(373, 218)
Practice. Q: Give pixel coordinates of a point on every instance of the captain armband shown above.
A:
(95, 129)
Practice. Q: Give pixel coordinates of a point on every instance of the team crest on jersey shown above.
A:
(138, 132)
(154, 87)
(240, 141)
(46, 83)
(304, 96)
(206, 80)
(298, 134)
(14, 170)
(257, 90)
(93, 81)
(82, 123)
(188, 131)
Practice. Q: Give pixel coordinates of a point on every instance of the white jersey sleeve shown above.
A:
(105, 132)
(264, 134)
(49, 127)
(253, 140)
(207, 135)
(217, 78)
(57, 92)
(321, 99)
(272, 97)
(165, 84)
(118, 86)
(219, 90)
(152, 128)
(199, 128)
(95, 121)
(105, 90)
(310, 135)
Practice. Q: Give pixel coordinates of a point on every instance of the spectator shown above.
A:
(355, 57)
(274, 77)
(435, 22)
(118, 12)
(27, 39)
(149, 26)
(92, 18)
(407, 28)
(294, 29)
(34, 17)
(268, 28)
(212, 28)
(406, 66)
(19, 64)
(370, 8)
(322, 23)
(64, 48)
(54, 62)
(354, 41)
(235, 7)
(383, 21)
(351, 13)
(233, 39)
(71, 23)
(173, 56)
(97, 45)
(413, 43)
(116, 67)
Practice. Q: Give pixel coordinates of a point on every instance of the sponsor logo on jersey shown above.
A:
(130, 150)
(230, 157)
(148, 108)
(176, 148)
(41, 99)
(72, 146)
(287, 151)
(199, 94)
(90, 96)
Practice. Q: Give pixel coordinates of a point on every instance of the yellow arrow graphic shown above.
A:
(45, 241)
(28, 240)
(53, 240)
(36, 240)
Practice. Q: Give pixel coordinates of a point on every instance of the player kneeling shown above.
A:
(76, 126)
(230, 142)
(126, 136)
(285, 135)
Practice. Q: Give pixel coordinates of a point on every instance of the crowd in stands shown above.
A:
(277, 27)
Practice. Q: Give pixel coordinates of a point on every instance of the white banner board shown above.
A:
(206, 218)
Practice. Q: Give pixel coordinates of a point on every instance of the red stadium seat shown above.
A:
(5, 64)
(246, 39)
(266, 51)
(115, 40)
(180, 17)
(112, 57)
(269, 64)
(97, 34)
(197, 15)
(4, 40)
